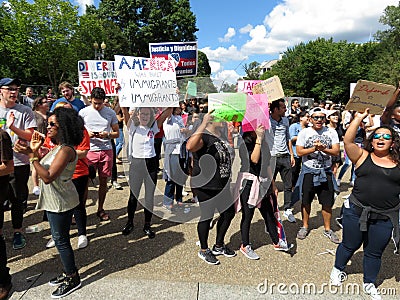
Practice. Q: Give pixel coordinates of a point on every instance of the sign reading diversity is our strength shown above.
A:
(97, 73)
(146, 82)
(372, 95)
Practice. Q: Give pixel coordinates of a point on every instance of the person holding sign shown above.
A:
(371, 216)
(211, 176)
(141, 154)
(256, 188)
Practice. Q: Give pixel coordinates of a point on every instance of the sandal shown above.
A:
(103, 216)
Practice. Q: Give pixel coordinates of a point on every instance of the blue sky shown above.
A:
(233, 33)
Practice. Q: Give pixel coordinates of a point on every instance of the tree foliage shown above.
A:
(252, 70)
(150, 21)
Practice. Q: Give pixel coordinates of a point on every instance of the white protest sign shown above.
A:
(372, 95)
(272, 87)
(146, 82)
(97, 73)
(246, 86)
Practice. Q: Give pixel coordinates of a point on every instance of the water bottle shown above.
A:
(33, 229)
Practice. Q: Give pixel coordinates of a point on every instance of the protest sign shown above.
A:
(227, 106)
(146, 82)
(372, 95)
(184, 53)
(191, 88)
(272, 87)
(246, 86)
(97, 73)
(257, 112)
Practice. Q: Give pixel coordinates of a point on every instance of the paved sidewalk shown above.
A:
(114, 266)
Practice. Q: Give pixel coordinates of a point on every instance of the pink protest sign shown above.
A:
(246, 86)
(257, 112)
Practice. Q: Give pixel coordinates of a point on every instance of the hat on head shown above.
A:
(8, 81)
(318, 110)
(331, 112)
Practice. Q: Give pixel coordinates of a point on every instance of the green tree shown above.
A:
(150, 21)
(252, 70)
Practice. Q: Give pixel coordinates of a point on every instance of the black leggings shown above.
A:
(142, 171)
(266, 211)
(209, 200)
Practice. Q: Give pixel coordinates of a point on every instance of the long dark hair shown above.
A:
(71, 126)
(395, 149)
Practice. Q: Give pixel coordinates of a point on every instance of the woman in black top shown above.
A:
(372, 214)
(211, 176)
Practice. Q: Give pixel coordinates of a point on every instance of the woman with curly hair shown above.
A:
(371, 217)
(58, 195)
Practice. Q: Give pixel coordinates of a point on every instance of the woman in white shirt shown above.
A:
(142, 128)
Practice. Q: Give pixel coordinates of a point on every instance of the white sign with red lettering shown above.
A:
(97, 73)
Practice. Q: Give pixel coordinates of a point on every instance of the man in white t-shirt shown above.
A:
(316, 145)
(102, 125)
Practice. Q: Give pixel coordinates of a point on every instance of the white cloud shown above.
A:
(246, 29)
(222, 54)
(227, 37)
(226, 76)
(82, 5)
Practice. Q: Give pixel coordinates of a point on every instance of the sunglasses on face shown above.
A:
(386, 136)
(316, 118)
(52, 124)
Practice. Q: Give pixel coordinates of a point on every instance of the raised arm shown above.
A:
(353, 151)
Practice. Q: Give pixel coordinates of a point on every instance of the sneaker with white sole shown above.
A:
(283, 246)
(338, 181)
(36, 190)
(224, 250)
(116, 185)
(50, 243)
(289, 215)
(249, 252)
(337, 277)
(208, 257)
(372, 291)
(332, 236)
(82, 241)
(69, 285)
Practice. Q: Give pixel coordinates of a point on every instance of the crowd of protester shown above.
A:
(62, 143)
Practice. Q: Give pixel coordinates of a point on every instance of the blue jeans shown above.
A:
(119, 142)
(374, 242)
(170, 189)
(59, 225)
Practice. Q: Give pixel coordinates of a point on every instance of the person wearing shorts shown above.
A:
(102, 125)
(317, 145)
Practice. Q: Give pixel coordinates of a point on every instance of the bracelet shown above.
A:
(258, 144)
(33, 159)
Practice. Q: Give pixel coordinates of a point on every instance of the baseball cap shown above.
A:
(318, 110)
(9, 81)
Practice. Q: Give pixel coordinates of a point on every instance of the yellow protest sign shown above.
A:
(372, 95)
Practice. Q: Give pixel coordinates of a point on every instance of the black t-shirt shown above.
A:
(212, 165)
(6, 151)
(245, 151)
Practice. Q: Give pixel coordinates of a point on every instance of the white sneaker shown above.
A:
(351, 183)
(372, 291)
(36, 190)
(338, 181)
(184, 193)
(337, 277)
(289, 215)
(82, 241)
(50, 243)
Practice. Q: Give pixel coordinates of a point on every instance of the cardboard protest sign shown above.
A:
(97, 73)
(227, 106)
(146, 82)
(191, 88)
(272, 87)
(257, 112)
(184, 53)
(246, 86)
(370, 94)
